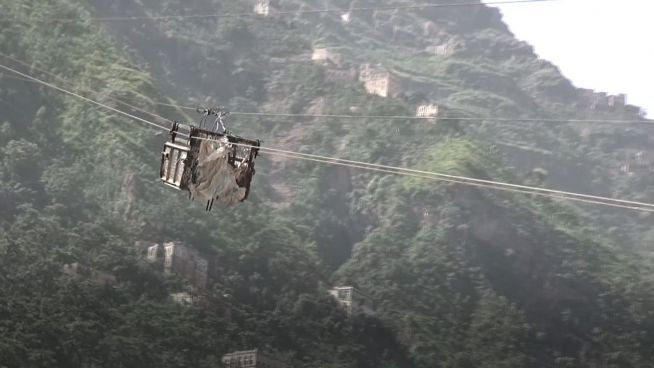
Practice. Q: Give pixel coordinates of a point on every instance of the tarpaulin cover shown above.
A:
(214, 176)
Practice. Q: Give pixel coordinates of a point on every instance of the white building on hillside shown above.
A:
(379, 81)
(262, 7)
(427, 111)
(352, 300)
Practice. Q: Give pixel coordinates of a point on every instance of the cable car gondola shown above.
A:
(211, 164)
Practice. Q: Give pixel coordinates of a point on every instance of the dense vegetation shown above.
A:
(462, 277)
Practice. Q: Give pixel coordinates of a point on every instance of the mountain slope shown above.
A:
(462, 277)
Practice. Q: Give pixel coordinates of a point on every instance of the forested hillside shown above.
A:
(460, 276)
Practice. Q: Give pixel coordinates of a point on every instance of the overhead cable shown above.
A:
(135, 108)
(291, 12)
(429, 118)
(396, 117)
(501, 188)
(640, 206)
(4, 75)
(338, 116)
(82, 97)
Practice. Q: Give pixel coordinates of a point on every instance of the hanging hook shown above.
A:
(219, 123)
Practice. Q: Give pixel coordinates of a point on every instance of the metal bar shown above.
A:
(171, 158)
(179, 159)
(178, 146)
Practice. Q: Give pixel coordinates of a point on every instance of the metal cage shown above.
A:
(179, 158)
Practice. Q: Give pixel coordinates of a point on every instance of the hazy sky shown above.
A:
(606, 45)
